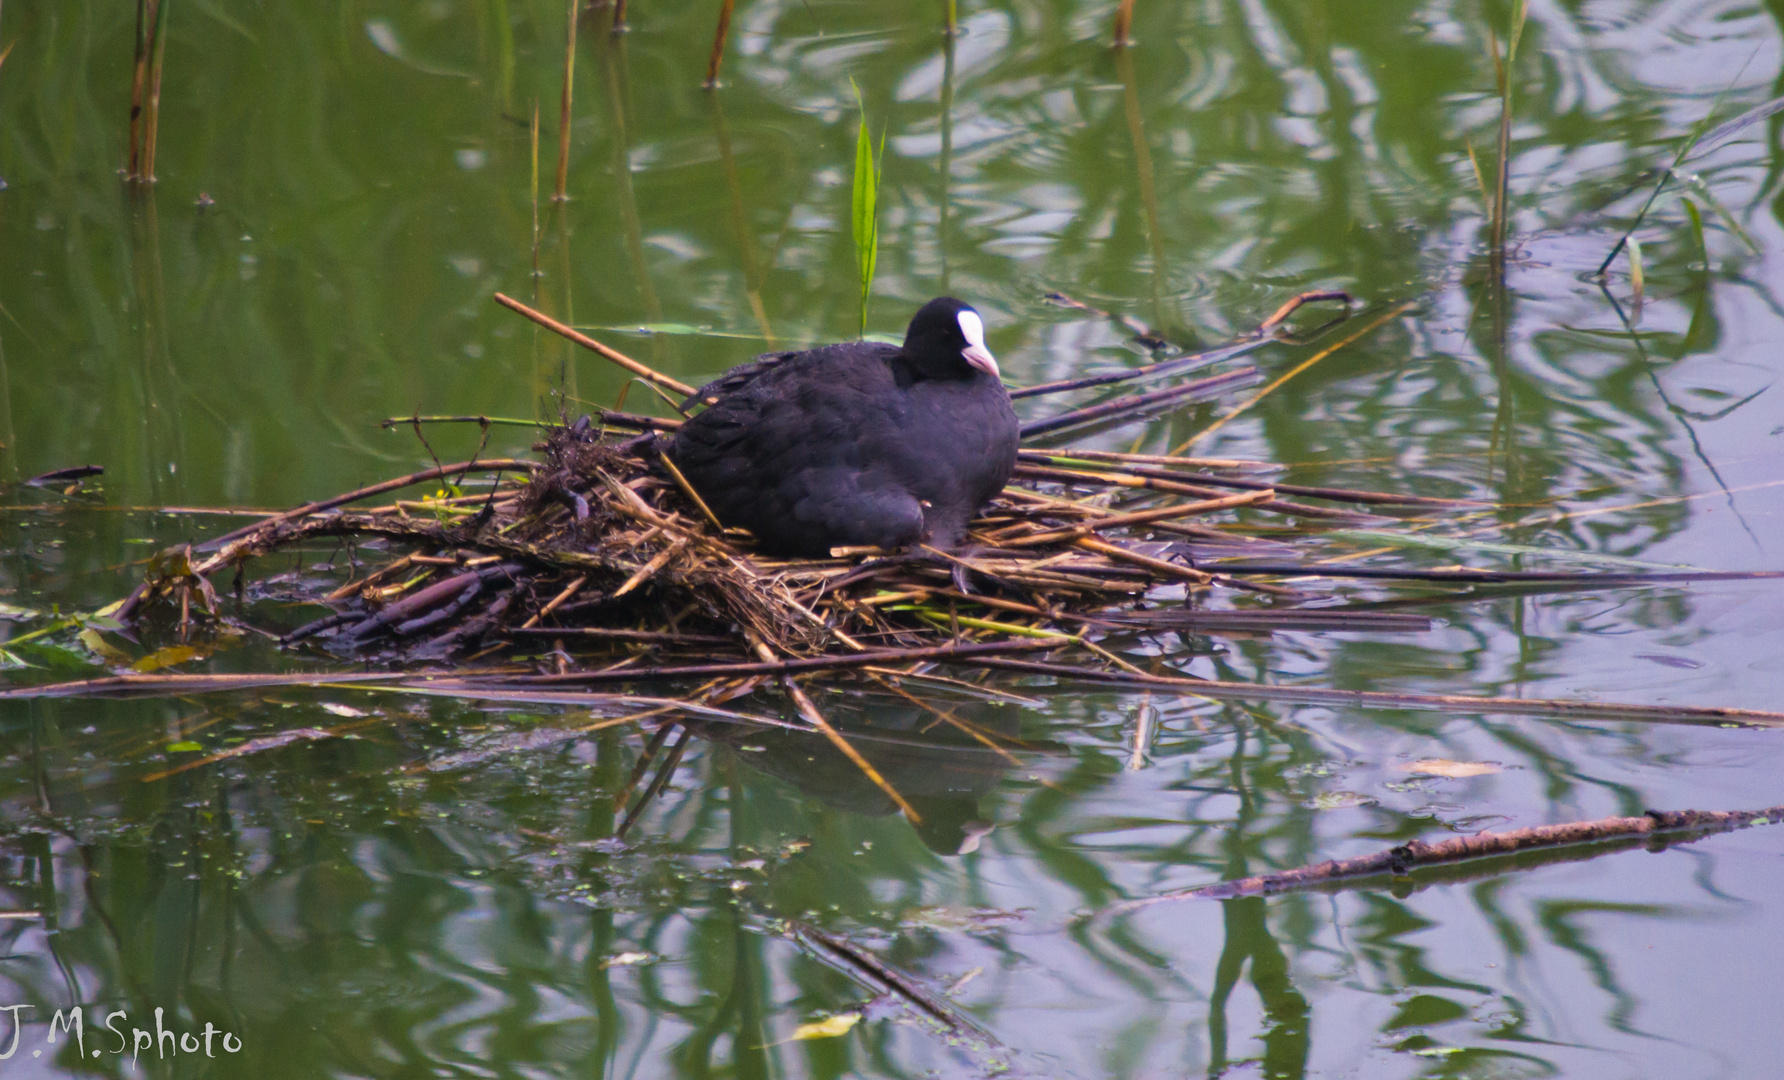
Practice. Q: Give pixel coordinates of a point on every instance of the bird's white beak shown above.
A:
(980, 357)
(975, 353)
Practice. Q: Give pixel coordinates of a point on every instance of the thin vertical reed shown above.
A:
(953, 15)
(718, 44)
(138, 82)
(614, 56)
(947, 160)
(1136, 129)
(1124, 24)
(504, 33)
(1501, 200)
(619, 16)
(154, 113)
(535, 140)
(147, 15)
(746, 244)
(1502, 179)
(563, 165)
(1502, 183)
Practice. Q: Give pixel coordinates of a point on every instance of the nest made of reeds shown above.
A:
(599, 548)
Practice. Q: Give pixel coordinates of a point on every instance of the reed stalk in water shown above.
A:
(145, 90)
(718, 44)
(1124, 24)
(563, 164)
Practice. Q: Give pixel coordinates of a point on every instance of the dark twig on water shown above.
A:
(657, 784)
(1144, 404)
(1403, 860)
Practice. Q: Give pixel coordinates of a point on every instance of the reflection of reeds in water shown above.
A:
(533, 134)
(1497, 200)
(753, 272)
(1144, 176)
(614, 69)
(946, 164)
(8, 438)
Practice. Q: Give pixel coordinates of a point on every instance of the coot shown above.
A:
(858, 443)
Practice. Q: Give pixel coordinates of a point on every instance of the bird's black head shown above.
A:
(946, 339)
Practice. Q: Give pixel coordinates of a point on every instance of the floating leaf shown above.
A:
(1696, 217)
(1338, 800)
(840, 1024)
(14, 613)
(344, 710)
(185, 747)
(1452, 769)
(105, 650)
(171, 656)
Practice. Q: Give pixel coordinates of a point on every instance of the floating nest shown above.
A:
(592, 565)
(597, 557)
(595, 561)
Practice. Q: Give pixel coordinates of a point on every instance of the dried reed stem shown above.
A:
(1124, 24)
(592, 345)
(563, 163)
(718, 44)
(1379, 321)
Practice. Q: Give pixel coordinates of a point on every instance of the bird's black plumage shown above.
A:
(858, 443)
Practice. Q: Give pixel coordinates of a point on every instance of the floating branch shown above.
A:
(1401, 861)
(1144, 404)
(1383, 699)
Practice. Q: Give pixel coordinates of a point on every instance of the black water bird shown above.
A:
(859, 443)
